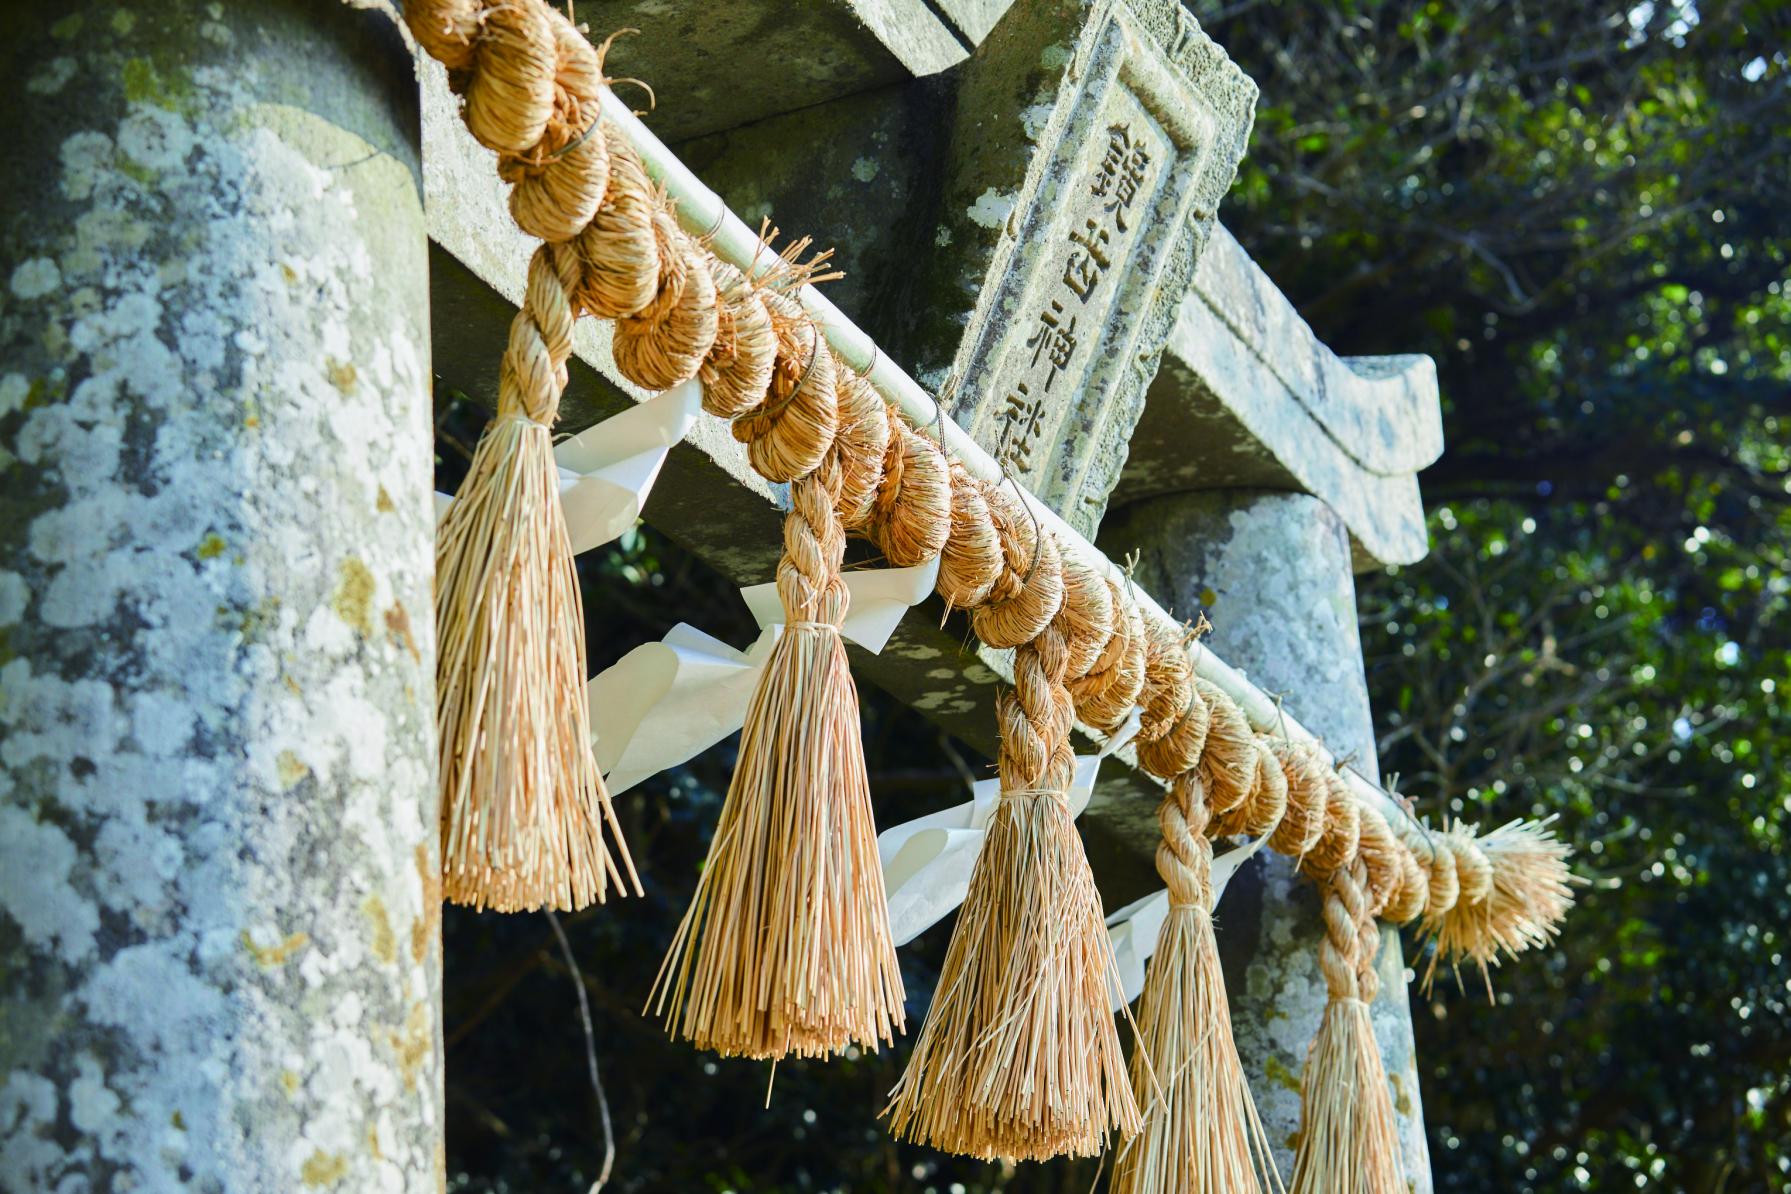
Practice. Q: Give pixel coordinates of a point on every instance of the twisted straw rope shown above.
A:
(531, 85)
(1185, 854)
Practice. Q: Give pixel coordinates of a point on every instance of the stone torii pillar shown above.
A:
(1306, 472)
(219, 922)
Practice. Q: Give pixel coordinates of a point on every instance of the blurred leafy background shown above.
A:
(1580, 210)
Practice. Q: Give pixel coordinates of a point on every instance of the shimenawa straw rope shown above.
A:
(532, 88)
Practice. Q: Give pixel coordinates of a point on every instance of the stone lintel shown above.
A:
(1248, 397)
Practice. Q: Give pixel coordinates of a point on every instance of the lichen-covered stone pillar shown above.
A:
(1272, 572)
(219, 927)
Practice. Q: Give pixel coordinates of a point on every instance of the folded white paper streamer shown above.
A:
(607, 471)
(664, 703)
(927, 861)
(1133, 930)
(878, 597)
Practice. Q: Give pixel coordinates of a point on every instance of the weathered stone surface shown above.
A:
(1247, 396)
(218, 917)
(857, 174)
(719, 66)
(1272, 572)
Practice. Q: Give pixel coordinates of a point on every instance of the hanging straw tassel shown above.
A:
(523, 803)
(786, 947)
(1348, 1144)
(1201, 1133)
(1019, 1056)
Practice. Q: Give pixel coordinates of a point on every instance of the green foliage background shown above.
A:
(1580, 211)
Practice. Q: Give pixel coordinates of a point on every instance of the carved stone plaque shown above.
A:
(1086, 245)
(1130, 130)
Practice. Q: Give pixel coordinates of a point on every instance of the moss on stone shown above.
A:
(168, 88)
(353, 602)
(1278, 1072)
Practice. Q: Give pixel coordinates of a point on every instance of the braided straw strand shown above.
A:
(1412, 895)
(667, 340)
(1087, 616)
(1304, 821)
(1029, 592)
(1110, 689)
(558, 184)
(620, 246)
(1168, 681)
(1184, 747)
(910, 518)
(860, 445)
(971, 561)
(1201, 1131)
(737, 372)
(1341, 831)
(1261, 811)
(1382, 853)
(1229, 765)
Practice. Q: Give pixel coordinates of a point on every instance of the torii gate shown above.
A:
(220, 926)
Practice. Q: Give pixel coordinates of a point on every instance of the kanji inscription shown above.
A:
(1069, 231)
(1098, 225)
